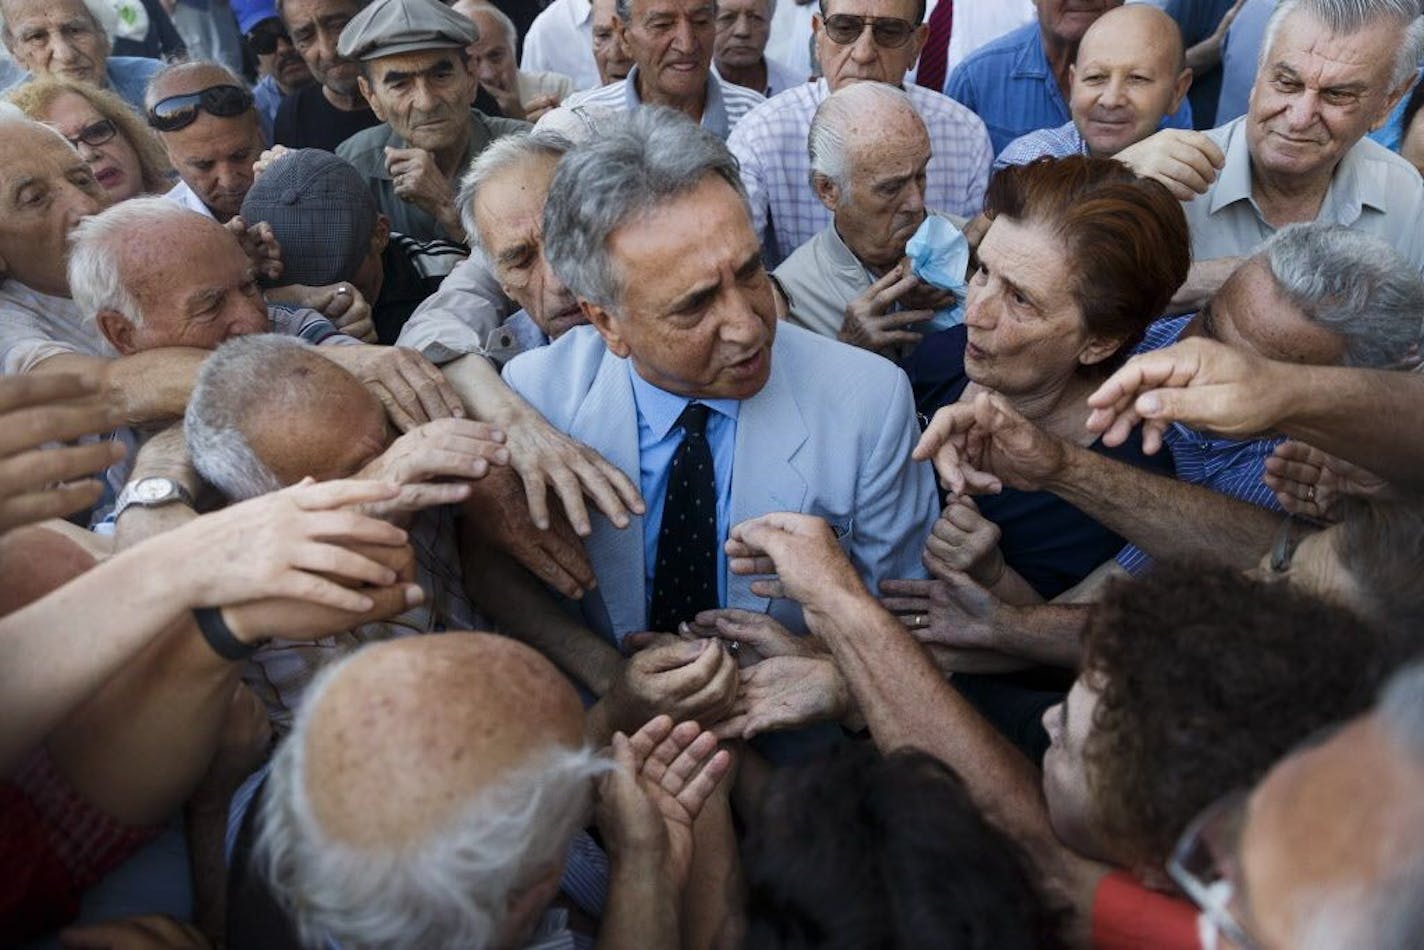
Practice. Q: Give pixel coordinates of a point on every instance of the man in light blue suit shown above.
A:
(648, 226)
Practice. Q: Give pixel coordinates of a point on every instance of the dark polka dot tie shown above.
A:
(685, 573)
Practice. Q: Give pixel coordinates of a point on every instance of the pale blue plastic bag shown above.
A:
(939, 255)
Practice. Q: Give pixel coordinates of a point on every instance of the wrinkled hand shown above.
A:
(293, 543)
(535, 108)
(459, 449)
(685, 679)
(418, 181)
(149, 932)
(786, 692)
(925, 296)
(964, 540)
(411, 388)
(647, 805)
(981, 444)
(348, 310)
(802, 555)
(952, 611)
(38, 483)
(1186, 162)
(1312, 483)
(497, 510)
(1201, 383)
(758, 635)
(286, 618)
(265, 160)
(868, 322)
(260, 245)
(546, 458)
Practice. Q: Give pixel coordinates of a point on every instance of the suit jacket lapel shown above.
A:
(770, 431)
(608, 420)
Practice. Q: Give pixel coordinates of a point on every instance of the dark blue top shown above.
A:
(1049, 542)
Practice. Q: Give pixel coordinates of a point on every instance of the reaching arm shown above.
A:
(149, 387)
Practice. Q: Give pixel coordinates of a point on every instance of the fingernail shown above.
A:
(414, 594)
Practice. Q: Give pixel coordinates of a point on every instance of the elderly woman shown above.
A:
(1080, 256)
(126, 157)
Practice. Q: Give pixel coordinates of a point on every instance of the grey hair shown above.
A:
(1350, 16)
(624, 10)
(451, 890)
(511, 32)
(504, 153)
(1354, 285)
(96, 281)
(225, 397)
(172, 70)
(634, 165)
(829, 140)
(103, 15)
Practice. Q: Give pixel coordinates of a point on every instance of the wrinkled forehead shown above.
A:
(19, 13)
(509, 206)
(30, 149)
(1128, 43)
(1304, 44)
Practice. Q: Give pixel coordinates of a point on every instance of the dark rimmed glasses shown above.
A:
(179, 112)
(265, 36)
(95, 134)
(887, 32)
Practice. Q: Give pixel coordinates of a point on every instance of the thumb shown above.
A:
(674, 655)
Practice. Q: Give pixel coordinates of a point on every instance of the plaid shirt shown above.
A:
(770, 144)
(1055, 143)
(725, 106)
(1233, 467)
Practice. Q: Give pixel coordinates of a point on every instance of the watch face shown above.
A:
(152, 489)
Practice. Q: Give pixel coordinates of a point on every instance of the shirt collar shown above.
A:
(1032, 60)
(582, 10)
(1353, 188)
(1234, 182)
(714, 111)
(660, 408)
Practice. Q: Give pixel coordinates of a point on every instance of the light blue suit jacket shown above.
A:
(830, 434)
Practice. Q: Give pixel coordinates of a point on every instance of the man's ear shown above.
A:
(827, 192)
(365, 86)
(1184, 83)
(607, 326)
(381, 235)
(118, 330)
(1394, 97)
(1097, 349)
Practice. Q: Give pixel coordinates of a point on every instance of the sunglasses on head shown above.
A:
(264, 37)
(888, 32)
(95, 134)
(179, 112)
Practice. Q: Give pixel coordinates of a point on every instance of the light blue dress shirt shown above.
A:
(658, 440)
(1009, 84)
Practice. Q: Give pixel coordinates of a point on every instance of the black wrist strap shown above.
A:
(220, 636)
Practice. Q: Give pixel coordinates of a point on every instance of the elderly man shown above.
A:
(609, 54)
(416, 75)
(1326, 848)
(209, 125)
(1328, 75)
(739, 55)
(281, 71)
(67, 38)
(520, 94)
(1130, 74)
(671, 43)
(561, 40)
(869, 174)
(332, 109)
(331, 232)
(479, 733)
(1020, 82)
(502, 201)
(686, 381)
(856, 41)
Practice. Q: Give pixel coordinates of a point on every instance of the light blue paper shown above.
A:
(939, 256)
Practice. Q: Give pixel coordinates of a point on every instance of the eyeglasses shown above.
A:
(1203, 865)
(95, 134)
(264, 37)
(179, 112)
(888, 32)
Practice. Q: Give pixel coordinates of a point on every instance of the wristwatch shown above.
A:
(151, 492)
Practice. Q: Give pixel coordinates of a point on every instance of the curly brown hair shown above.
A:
(36, 96)
(1207, 678)
(1126, 237)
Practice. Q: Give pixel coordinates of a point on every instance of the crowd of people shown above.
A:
(712, 474)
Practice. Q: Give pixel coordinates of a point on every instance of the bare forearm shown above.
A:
(480, 388)
(523, 609)
(1165, 517)
(152, 386)
(1045, 633)
(713, 899)
(641, 910)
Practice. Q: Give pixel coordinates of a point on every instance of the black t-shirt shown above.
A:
(1050, 543)
(307, 120)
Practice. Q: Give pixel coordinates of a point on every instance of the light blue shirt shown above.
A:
(1240, 52)
(1009, 84)
(658, 441)
(129, 76)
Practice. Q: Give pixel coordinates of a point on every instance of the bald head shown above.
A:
(409, 731)
(857, 120)
(1130, 74)
(182, 78)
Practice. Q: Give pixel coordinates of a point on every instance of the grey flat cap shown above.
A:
(391, 27)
